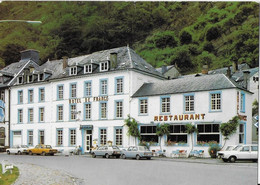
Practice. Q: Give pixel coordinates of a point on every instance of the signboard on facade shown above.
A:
(92, 99)
(179, 117)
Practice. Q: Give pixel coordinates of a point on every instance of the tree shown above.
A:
(190, 129)
(161, 130)
(229, 128)
(132, 125)
(255, 108)
(185, 37)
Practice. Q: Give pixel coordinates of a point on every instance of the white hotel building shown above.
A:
(85, 100)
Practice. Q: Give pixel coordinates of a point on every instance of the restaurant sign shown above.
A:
(179, 117)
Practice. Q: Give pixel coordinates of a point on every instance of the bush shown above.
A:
(213, 149)
(165, 39)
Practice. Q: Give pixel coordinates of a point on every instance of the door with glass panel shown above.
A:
(88, 140)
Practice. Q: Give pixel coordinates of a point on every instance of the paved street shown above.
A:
(159, 171)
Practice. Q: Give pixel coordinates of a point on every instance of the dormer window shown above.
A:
(40, 77)
(73, 70)
(30, 78)
(88, 68)
(104, 66)
(20, 80)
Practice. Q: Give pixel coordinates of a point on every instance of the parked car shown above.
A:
(17, 149)
(42, 150)
(107, 151)
(137, 152)
(240, 152)
(229, 148)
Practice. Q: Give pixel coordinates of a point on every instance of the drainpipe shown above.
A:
(9, 116)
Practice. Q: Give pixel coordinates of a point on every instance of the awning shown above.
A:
(86, 127)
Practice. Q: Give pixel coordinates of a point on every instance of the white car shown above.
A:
(17, 149)
(241, 152)
(107, 151)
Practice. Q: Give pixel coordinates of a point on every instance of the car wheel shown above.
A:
(123, 156)
(19, 153)
(30, 153)
(148, 158)
(232, 159)
(43, 154)
(94, 155)
(8, 152)
(225, 160)
(138, 157)
(107, 156)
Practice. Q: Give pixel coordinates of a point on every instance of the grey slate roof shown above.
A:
(159, 69)
(186, 85)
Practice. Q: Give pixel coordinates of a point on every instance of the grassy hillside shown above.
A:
(188, 34)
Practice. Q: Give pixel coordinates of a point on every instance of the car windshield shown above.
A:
(24, 146)
(115, 147)
(237, 148)
(229, 148)
(48, 146)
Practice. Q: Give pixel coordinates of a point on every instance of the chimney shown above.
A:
(65, 62)
(235, 66)
(113, 60)
(229, 72)
(30, 54)
(164, 69)
(246, 75)
(205, 69)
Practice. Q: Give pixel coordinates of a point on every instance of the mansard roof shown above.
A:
(187, 85)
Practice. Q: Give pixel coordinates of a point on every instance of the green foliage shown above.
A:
(229, 128)
(132, 125)
(8, 178)
(161, 32)
(190, 128)
(255, 106)
(213, 149)
(162, 129)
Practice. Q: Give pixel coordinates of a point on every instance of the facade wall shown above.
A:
(202, 105)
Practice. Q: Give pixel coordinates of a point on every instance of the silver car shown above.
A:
(137, 152)
(17, 149)
(107, 151)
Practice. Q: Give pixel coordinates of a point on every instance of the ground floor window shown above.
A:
(72, 137)
(30, 138)
(119, 136)
(208, 133)
(148, 134)
(103, 136)
(241, 134)
(177, 134)
(41, 137)
(59, 137)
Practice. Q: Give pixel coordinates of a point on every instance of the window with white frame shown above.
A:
(119, 109)
(59, 137)
(88, 68)
(60, 113)
(189, 103)
(60, 92)
(73, 137)
(73, 70)
(20, 115)
(208, 133)
(87, 111)
(30, 78)
(30, 115)
(73, 90)
(148, 134)
(104, 66)
(41, 94)
(30, 96)
(30, 138)
(20, 79)
(103, 87)
(41, 114)
(119, 85)
(20, 97)
(88, 88)
(177, 134)
(103, 137)
(119, 136)
(73, 112)
(103, 111)
(165, 105)
(41, 137)
(215, 100)
(241, 134)
(143, 103)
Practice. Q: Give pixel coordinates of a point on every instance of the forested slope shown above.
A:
(188, 34)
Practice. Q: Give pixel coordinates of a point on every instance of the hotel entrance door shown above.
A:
(88, 140)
